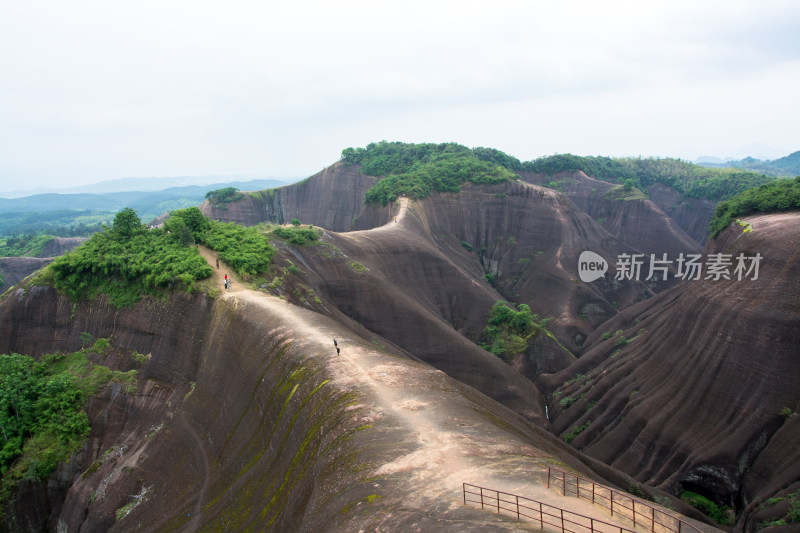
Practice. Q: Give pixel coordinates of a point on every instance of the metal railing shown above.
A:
(619, 503)
(536, 511)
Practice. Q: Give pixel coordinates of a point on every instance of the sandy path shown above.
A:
(443, 454)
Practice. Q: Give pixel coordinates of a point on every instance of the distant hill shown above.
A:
(155, 184)
(785, 166)
(44, 212)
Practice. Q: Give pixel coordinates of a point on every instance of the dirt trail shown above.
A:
(447, 447)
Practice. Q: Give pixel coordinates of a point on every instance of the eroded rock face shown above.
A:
(60, 246)
(15, 269)
(209, 430)
(653, 226)
(332, 199)
(693, 401)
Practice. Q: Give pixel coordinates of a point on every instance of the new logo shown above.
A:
(591, 266)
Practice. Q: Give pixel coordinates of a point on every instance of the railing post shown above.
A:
(548, 477)
(592, 491)
(482, 499)
(563, 483)
(633, 506)
(612, 503)
(591, 524)
(653, 520)
(562, 520)
(497, 493)
(464, 488)
(541, 517)
(517, 507)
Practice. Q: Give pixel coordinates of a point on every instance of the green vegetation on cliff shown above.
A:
(779, 195)
(297, 236)
(417, 170)
(127, 261)
(509, 330)
(245, 249)
(223, 196)
(692, 180)
(42, 410)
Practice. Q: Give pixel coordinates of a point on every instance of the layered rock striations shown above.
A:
(245, 418)
(332, 199)
(698, 390)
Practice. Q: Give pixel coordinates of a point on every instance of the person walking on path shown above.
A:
(337, 350)
(217, 263)
(334, 342)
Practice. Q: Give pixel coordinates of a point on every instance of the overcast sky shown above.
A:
(100, 90)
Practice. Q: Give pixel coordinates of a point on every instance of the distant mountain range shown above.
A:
(145, 199)
(784, 166)
(152, 184)
(78, 212)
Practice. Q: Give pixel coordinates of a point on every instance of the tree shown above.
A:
(628, 184)
(126, 223)
(295, 222)
(224, 195)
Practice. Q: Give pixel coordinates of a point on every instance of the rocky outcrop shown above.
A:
(639, 223)
(332, 199)
(15, 269)
(693, 215)
(60, 246)
(690, 395)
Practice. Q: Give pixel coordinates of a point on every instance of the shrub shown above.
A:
(127, 262)
(42, 412)
(467, 246)
(416, 170)
(296, 236)
(223, 196)
(575, 431)
(295, 222)
(779, 195)
(718, 514)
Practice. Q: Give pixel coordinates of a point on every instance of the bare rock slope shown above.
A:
(702, 397)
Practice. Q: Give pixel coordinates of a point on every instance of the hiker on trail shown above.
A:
(337, 350)
(226, 283)
(230, 284)
(334, 342)
(217, 263)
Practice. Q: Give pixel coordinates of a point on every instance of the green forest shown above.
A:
(779, 195)
(127, 261)
(692, 180)
(42, 410)
(417, 170)
(28, 245)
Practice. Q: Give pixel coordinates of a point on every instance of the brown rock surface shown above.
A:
(693, 402)
(244, 417)
(332, 199)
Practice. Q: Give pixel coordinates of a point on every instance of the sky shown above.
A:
(98, 90)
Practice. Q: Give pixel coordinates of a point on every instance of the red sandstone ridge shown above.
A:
(694, 401)
(244, 417)
(332, 199)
